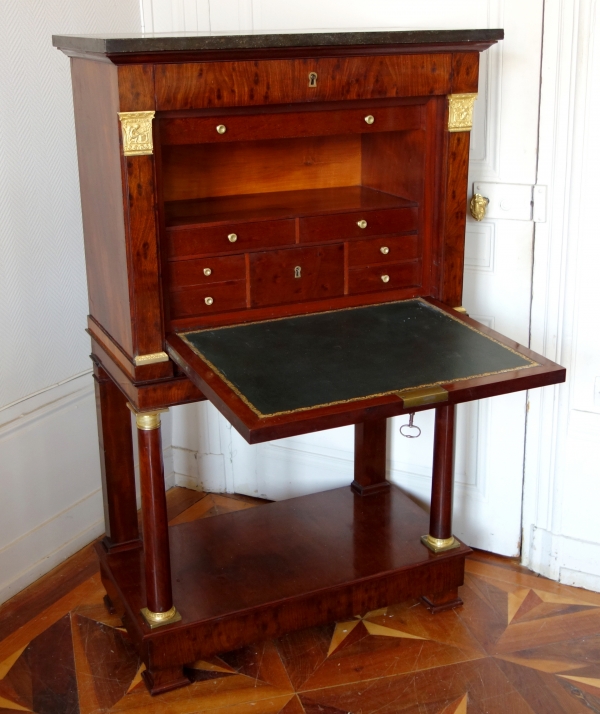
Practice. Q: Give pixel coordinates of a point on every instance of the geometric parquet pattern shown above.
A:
(519, 645)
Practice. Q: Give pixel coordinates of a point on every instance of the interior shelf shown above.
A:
(280, 204)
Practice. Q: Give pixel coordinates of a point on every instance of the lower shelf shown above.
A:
(258, 573)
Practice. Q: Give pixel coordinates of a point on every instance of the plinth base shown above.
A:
(259, 573)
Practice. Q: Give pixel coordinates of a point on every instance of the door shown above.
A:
(498, 264)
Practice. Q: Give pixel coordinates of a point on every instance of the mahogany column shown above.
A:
(116, 465)
(369, 457)
(159, 608)
(440, 538)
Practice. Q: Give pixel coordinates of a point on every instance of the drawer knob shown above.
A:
(370, 119)
(207, 271)
(361, 224)
(221, 129)
(232, 237)
(384, 249)
(385, 278)
(208, 300)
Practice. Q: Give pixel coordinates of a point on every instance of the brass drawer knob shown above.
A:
(232, 237)
(221, 129)
(361, 224)
(385, 278)
(207, 271)
(370, 119)
(384, 249)
(208, 300)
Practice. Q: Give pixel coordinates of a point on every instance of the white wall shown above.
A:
(562, 478)
(49, 471)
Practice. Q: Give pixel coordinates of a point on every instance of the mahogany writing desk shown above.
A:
(276, 223)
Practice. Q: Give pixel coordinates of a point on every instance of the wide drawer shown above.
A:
(247, 127)
(197, 85)
(385, 277)
(296, 275)
(203, 299)
(340, 226)
(205, 271)
(232, 237)
(386, 249)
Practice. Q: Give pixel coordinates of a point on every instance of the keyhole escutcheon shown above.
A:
(297, 272)
(312, 79)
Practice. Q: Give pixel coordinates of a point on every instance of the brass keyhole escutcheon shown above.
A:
(297, 272)
(207, 271)
(384, 249)
(478, 206)
(312, 79)
(221, 129)
(232, 237)
(361, 224)
(370, 119)
(208, 300)
(385, 278)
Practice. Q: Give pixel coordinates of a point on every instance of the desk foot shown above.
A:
(108, 604)
(159, 681)
(441, 601)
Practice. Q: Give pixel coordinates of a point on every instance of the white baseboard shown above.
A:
(26, 559)
(569, 560)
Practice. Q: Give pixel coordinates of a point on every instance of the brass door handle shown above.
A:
(478, 206)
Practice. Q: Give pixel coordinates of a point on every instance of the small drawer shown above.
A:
(296, 275)
(385, 277)
(205, 271)
(340, 226)
(229, 238)
(219, 297)
(389, 249)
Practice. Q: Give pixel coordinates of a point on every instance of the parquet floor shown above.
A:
(519, 645)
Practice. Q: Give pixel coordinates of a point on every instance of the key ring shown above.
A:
(410, 425)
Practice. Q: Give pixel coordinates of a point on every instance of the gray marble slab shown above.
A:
(198, 41)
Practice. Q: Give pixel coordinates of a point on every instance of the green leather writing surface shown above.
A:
(302, 362)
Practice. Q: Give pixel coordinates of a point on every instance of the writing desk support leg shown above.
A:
(116, 465)
(440, 538)
(159, 608)
(370, 457)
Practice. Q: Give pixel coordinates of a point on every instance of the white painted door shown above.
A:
(498, 266)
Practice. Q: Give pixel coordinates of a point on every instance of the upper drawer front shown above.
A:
(388, 249)
(253, 83)
(205, 271)
(296, 275)
(247, 127)
(227, 238)
(340, 226)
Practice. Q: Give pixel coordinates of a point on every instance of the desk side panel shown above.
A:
(96, 104)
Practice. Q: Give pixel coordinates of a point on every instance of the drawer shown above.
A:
(388, 249)
(197, 85)
(229, 238)
(218, 297)
(372, 279)
(204, 271)
(341, 226)
(296, 275)
(200, 130)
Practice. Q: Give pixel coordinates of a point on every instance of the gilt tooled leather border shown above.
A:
(397, 393)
